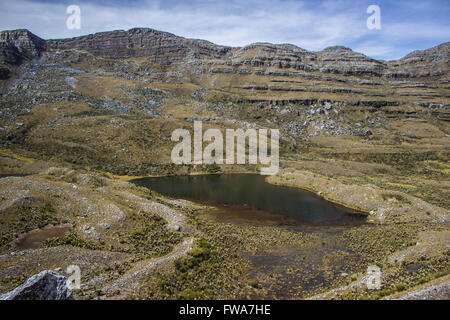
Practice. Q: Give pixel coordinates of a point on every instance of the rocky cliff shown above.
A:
(162, 47)
(168, 49)
(17, 46)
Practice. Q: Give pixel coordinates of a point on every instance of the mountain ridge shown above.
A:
(169, 49)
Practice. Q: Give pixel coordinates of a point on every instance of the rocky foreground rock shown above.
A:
(46, 285)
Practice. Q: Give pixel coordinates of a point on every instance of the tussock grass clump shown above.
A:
(72, 239)
(152, 238)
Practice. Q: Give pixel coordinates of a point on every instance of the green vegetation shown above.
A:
(29, 214)
(151, 239)
(73, 240)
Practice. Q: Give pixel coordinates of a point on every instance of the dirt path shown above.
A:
(131, 280)
(175, 220)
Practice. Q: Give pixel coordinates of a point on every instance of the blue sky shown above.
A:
(406, 25)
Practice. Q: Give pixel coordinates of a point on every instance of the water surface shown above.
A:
(249, 196)
(34, 239)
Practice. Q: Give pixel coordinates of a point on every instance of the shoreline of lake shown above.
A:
(245, 196)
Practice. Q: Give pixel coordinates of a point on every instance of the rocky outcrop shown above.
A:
(46, 285)
(167, 49)
(164, 48)
(422, 63)
(17, 46)
(339, 59)
(20, 44)
(282, 56)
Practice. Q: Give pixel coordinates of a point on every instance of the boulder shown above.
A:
(46, 285)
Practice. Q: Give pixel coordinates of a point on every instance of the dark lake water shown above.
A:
(249, 196)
